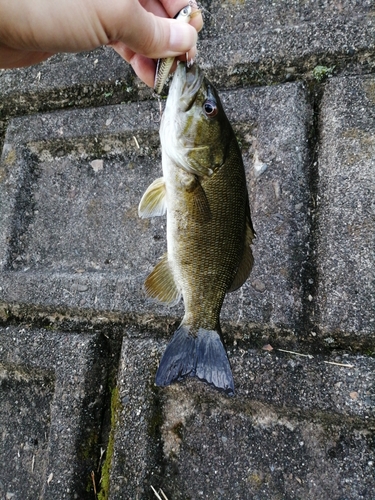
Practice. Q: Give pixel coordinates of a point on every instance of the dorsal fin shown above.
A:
(152, 202)
(160, 283)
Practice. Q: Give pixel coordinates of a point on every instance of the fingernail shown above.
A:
(182, 37)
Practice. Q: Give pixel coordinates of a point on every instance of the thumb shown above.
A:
(156, 37)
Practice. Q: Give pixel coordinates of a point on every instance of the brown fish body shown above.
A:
(209, 230)
(206, 248)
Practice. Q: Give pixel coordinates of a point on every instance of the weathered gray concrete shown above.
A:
(280, 41)
(298, 427)
(79, 341)
(52, 388)
(346, 205)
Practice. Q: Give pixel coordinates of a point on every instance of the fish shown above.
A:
(163, 66)
(203, 193)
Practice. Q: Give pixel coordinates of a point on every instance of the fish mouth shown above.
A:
(190, 78)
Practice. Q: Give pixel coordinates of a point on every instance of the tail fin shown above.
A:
(202, 356)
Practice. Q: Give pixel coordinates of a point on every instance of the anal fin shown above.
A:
(160, 283)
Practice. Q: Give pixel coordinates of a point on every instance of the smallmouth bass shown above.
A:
(209, 230)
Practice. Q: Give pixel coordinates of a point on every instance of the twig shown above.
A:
(345, 365)
(164, 495)
(310, 356)
(102, 451)
(156, 493)
(93, 482)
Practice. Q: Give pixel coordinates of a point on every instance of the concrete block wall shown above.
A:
(80, 416)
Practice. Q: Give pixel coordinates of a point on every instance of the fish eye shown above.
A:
(210, 109)
(185, 11)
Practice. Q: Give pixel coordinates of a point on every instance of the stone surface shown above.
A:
(346, 220)
(25, 402)
(282, 40)
(64, 222)
(97, 77)
(297, 427)
(52, 388)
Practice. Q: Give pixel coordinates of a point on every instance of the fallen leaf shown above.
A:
(267, 347)
(97, 165)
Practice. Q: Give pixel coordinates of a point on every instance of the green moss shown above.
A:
(322, 72)
(116, 408)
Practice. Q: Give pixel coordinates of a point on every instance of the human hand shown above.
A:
(139, 30)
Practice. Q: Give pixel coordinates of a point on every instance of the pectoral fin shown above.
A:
(160, 283)
(153, 202)
(247, 261)
(201, 205)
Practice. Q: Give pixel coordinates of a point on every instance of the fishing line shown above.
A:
(201, 8)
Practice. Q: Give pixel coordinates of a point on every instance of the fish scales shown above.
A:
(209, 229)
(214, 249)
